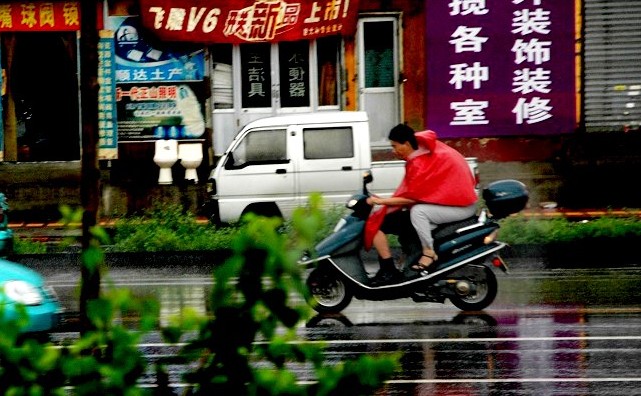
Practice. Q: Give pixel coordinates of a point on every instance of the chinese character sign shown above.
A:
(248, 21)
(31, 16)
(107, 120)
(160, 111)
(138, 61)
(500, 68)
(256, 80)
(294, 72)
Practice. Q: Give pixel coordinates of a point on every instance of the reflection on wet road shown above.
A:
(549, 332)
(533, 351)
(561, 332)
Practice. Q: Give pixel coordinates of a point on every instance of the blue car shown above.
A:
(21, 285)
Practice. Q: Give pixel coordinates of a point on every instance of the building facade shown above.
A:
(530, 87)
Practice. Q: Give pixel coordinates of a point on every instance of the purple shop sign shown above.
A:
(500, 68)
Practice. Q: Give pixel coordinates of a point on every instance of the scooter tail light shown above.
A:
(491, 237)
(497, 262)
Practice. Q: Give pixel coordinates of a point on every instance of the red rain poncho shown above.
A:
(435, 174)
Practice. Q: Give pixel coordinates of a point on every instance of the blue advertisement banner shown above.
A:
(500, 68)
(160, 88)
(139, 60)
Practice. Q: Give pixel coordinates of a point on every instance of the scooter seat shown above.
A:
(446, 231)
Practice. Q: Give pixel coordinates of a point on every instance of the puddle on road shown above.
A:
(590, 288)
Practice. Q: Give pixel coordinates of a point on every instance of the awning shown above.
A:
(248, 21)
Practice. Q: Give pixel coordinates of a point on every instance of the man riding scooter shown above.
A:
(438, 188)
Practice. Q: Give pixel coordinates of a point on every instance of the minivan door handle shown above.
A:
(281, 171)
(346, 168)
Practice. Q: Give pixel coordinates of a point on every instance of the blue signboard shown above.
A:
(139, 61)
(160, 87)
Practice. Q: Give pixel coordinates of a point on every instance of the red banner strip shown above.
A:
(40, 16)
(248, 21)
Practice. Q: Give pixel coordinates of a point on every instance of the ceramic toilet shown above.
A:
(190, 155)
(165, 157)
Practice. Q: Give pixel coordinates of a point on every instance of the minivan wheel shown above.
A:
(263, 209)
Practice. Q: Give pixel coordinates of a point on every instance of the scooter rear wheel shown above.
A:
(485, 288)
(328, 293)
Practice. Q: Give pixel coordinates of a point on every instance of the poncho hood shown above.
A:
(426, 139)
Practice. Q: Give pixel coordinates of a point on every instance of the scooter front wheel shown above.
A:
(328, 293)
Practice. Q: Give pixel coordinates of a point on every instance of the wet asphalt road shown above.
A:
(549, 332)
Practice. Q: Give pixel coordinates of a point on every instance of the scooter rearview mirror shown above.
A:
(367, 178)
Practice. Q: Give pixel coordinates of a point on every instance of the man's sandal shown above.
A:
(418, 266)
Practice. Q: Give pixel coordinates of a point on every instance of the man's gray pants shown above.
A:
(426, 217)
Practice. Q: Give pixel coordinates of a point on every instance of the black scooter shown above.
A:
(467, 251)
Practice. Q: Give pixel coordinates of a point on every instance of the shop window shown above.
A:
(256, 75)
(379, 54)
(306, 78)
(294, 73)
(223, 92)
(327, 50)
(41, 103)
(328, 143)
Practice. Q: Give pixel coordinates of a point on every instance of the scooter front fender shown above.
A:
(351, 266)
(311, 262)
(346, 238)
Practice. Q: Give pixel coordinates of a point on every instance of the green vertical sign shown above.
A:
(107, 116)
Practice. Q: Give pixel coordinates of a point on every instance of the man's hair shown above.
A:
(403, 133)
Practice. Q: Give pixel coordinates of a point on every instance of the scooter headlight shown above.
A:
(341, 223)
(351, 203)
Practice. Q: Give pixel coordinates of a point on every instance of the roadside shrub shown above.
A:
(169, 228)
(523, 230)
(27, 246)
(330, 217)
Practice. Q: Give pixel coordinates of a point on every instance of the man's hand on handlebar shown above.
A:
(374, 200)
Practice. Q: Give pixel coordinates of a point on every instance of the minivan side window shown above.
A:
(260, 147)
(328, 143)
